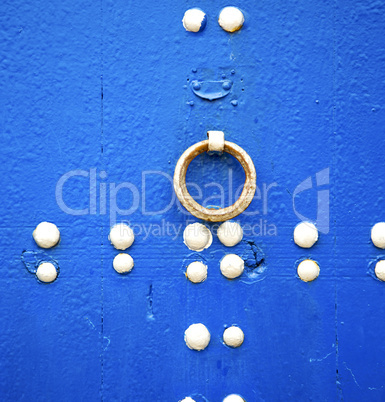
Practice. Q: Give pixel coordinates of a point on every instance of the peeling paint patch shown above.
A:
(33, 259)
(255, 264)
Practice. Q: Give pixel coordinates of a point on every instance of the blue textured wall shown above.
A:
(105, 85)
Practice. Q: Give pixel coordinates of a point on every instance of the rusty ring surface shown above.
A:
(207, 214)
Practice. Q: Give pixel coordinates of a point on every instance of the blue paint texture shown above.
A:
(103, 89)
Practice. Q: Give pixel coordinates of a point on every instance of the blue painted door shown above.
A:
(96, 109)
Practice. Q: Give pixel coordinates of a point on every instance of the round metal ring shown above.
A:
(208, 214)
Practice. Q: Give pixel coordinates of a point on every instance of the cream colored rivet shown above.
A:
(194, 20)
(230, 233)
(216, 141)
(46, 235)
(308, 270)
(231, 19)
(232, 266)
(197, 237)
(233, 336)
(380, 270)
(234, 398)
(305, 234)
(121, 236)
(187, 399)
(196, 272)
(378, 234)
(197, 337)
(46, 272)
(123, 263)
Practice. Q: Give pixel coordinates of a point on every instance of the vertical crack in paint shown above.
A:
(100, 215)
(333, 195)
(150, 311)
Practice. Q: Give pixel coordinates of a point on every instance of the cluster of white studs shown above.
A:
(121, 237)
(305, 236)
(230, 19)
(198, 237)
(378, 239)
(197, 337)
(46, 235)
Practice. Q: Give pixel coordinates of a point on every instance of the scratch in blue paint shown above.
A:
(353, 376)
(375, 389)
(105, 338)
(90, 323)
(311, 360)
(108, 342)
(356, 382)
(31, 259)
